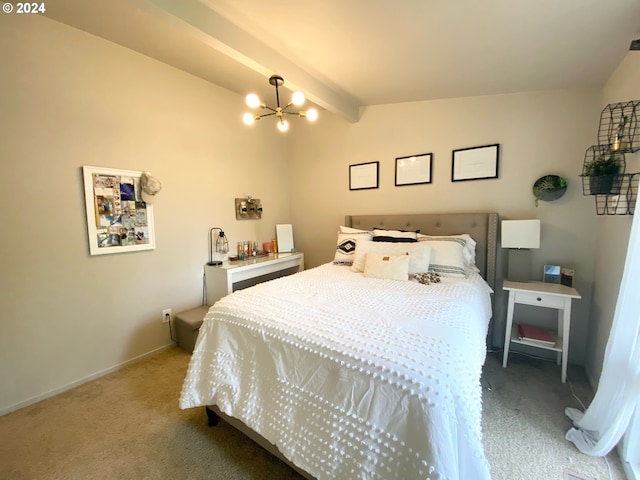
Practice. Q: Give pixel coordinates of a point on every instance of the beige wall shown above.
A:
(70, 99)
(612, 232)
(539, 133)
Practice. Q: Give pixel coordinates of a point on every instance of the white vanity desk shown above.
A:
(230, 276)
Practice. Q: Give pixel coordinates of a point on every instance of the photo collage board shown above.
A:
(118, 218)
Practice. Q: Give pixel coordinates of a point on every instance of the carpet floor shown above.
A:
(127, 425)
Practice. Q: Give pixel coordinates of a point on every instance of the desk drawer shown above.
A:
(540, 299)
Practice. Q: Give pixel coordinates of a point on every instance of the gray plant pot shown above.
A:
(548, 194)
(603, 185)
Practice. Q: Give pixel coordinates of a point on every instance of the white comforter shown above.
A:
(352, 377)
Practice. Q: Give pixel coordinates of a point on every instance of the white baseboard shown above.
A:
(77, 383)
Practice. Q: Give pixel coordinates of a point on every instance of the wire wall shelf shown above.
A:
(622, 200)
(604, 169)
(619, 127)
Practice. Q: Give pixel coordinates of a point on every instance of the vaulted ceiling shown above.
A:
(345, 54)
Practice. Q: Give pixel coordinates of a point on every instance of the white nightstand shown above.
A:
(549, 295)
(231, 276)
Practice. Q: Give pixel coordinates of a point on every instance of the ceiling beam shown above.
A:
(216, 31)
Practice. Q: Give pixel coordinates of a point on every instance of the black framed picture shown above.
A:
(363, 176)
(414, 169)
(475, 163)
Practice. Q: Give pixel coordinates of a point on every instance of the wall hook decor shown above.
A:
(248, 208)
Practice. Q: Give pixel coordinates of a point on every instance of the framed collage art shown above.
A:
(118, 217)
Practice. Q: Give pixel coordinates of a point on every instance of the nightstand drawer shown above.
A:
(539, 299)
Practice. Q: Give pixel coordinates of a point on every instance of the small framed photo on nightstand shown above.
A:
(566, 276)
(551, 274)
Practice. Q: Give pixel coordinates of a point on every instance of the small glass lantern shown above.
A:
(221, 247)
(222, 244)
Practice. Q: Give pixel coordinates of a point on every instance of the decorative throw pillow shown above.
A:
(452, 255)
(389, 267)
(419, 254)
(427, 278)
(399, 236)
(346, 246)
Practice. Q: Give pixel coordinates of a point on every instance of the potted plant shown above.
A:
(549, 187)
(602, 171)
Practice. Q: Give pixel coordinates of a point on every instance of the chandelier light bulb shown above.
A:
(312, 114)
(248, 118)
(253, 101)
(298, 98)
(283, 125)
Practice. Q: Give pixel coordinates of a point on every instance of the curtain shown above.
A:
(630, 451)
(598, 430)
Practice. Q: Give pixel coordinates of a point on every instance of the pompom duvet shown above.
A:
(352, 377)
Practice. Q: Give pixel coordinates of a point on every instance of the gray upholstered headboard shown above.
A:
(483, 228)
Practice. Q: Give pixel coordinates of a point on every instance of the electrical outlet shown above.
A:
(166, 315)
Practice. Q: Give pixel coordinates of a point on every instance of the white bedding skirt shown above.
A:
(352, 377)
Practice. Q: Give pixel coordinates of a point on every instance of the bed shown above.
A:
(345, 373)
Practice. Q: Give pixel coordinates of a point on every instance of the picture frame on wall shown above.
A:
(413, 169)
(475, 163)
(118, 218)
(364, 176)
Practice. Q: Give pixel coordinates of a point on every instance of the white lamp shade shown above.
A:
(521, 234)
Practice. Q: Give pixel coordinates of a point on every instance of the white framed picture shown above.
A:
(118, 218)
(284, 234)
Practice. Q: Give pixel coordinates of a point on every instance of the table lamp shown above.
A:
(519, 236)
(221, 247)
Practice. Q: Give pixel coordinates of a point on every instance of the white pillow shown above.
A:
(453, 255)
(418, 254)
(346, 246)
(344, 229)
(389, 267)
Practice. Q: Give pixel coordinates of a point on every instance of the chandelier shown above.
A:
(283, 125)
